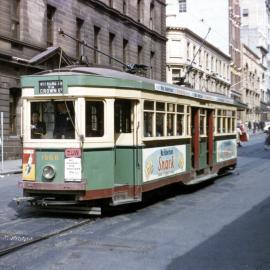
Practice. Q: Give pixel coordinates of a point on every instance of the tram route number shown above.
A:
(51, 87)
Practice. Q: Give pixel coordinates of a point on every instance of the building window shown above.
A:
(245, 12)
(188, 50)
(111, 46)
(152, 16)
(50, 15)
(139, 55)
(14, 97)
(125, 51)
(79, 24)
(96, 44)
(124, 7)
(15, 18)
(176, 74)
(94, 119)
(140, 10)
(152, 64)
(182, 6)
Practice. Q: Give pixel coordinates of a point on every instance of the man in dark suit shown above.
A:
(63, 128)
(38, 128)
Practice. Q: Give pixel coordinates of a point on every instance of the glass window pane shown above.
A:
(148, 105)
(123, 116)
(202, 129)
(180, 108)
(160, 106)
(179, 125)
(94, 119)
(170, 124)
(159, 124)
(148, 124)
(170, 107)
(52, 120)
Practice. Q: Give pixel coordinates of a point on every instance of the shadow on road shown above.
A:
(243, 244)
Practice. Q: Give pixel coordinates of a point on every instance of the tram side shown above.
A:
(119, 139)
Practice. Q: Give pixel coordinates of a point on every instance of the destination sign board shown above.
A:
(51, 87)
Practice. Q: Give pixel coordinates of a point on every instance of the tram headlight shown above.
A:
(48, 172)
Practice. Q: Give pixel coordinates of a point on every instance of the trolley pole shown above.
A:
(2, 141)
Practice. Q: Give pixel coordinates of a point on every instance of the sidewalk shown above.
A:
(11, 166)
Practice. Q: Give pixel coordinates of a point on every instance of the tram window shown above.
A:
(224, 125)
(170, 124)
(160, 124)
(94, 119)
(170, 107)
(188, 121)
(148, 118)
(148, 124)
(149, 105)
(179, 124)
(180, 108)
(202, 121)
(219, 125)
(122, 116)
(229, 125)
(160, 106)
(52, 120)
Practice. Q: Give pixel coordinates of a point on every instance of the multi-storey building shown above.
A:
(222, 19)
(255, 33)
(205, 68)
(253, 74)
(132, 31)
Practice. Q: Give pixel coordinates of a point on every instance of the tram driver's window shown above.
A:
(52, 120)
(94, 119)
(122, 111)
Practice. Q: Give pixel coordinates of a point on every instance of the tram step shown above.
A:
(201, 179)
(125, 201)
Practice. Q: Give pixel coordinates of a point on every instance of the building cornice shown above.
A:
(250, 51)
(198, 38)
(22, 43)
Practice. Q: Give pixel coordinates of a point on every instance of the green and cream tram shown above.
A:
(109, 136)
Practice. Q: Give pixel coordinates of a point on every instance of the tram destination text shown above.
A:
(51, 87)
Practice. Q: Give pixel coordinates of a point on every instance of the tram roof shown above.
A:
(133, 81)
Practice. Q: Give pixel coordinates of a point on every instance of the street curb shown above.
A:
(11, 172)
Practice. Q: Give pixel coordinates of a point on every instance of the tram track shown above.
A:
(11, 242)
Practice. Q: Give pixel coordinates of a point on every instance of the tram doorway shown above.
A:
(127, 186)
(202, 144)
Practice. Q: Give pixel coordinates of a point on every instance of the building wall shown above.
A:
(23, 34)
(252, 78)
(255, 33)
(209, 71)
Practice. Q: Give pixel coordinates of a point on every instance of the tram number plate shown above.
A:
(51, 87)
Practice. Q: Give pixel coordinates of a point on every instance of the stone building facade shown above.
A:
(210, 69)
(132, 31)
(253, 76)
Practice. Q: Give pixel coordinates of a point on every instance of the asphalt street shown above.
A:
(223, 224)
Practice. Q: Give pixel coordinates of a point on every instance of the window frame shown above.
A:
(168, 115)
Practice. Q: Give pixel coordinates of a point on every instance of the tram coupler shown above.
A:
(20, 200)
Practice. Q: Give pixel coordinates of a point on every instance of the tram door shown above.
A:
(202, 146)
(126, 176)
